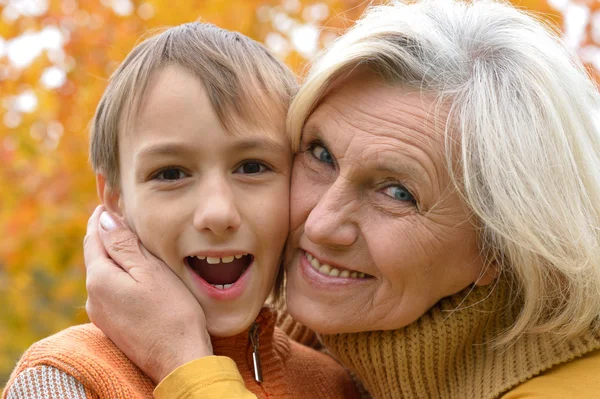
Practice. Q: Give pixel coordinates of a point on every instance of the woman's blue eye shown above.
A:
(321, 154)
(399, 193)
(171, 174)
(251, 168)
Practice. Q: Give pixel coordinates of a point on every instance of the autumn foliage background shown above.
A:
(55, 59)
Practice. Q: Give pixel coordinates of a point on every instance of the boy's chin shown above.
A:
(230, 324)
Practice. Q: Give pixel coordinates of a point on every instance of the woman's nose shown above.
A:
(217, 211)
(331, 222)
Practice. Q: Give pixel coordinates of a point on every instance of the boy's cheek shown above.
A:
(141, 223)
(277, 214)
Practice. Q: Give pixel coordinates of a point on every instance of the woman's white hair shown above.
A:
(528, 163)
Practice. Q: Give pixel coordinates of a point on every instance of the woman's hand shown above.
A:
(138, 302)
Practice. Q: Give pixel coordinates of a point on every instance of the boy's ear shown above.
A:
(110, 197)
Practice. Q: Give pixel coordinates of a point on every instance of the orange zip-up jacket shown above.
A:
(81, 362)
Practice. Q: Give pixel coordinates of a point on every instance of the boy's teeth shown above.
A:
(330, 270)
(222, 286)
(212, 260)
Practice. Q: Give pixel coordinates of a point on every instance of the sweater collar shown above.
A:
(273, 350)
(237, 346)
(449, 351)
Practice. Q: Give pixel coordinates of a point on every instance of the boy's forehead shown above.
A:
(259, 115)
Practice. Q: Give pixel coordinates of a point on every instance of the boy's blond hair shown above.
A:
(244, 82)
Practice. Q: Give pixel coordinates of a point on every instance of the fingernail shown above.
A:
(107, 222)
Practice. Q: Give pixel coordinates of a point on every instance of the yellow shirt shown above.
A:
(218, 377)
(577, 379)
(208, 377)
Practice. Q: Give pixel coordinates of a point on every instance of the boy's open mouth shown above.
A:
(222, 272)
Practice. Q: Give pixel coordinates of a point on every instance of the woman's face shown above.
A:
(378, 233)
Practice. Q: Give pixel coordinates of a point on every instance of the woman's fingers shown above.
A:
(95, 255)
(92, 246)
(125, 248)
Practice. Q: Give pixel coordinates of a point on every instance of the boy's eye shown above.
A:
(251, 168)
(399, 193)
(170, 174)
(321, 153)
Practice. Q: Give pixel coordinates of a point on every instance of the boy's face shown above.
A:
(212, 205)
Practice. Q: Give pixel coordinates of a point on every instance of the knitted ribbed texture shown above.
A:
(296, 331)
(289, 369)
(86, 354)
(307, 337)
(239, 349)
(449, 351)
(46, 382)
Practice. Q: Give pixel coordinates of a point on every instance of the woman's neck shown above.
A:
(452, 351)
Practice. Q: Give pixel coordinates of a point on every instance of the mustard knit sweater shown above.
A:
(449, 353)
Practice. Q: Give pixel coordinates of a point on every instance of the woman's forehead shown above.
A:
(379, 111)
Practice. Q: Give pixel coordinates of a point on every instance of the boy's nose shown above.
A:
(217, 212)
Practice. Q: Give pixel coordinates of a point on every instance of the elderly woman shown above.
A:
(445, 237)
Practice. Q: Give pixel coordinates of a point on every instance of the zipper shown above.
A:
(253, 333)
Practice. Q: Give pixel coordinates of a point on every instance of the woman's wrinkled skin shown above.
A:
(371, 193)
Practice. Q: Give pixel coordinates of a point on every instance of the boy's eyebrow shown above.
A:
(262, 143)
(180, 148)
(163, 149)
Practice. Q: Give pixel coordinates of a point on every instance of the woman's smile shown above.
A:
(333, 270)
(374, 216)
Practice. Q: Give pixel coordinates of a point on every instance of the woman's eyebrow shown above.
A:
(403, 169)
(396, 162)
(310, 130)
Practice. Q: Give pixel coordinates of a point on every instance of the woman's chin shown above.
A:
(312, 314)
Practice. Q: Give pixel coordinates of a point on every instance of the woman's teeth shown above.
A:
(328, 270)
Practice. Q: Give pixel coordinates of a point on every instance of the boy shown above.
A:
(189, 149)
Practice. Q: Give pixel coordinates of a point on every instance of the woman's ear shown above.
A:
(489, 272)
(109, 196)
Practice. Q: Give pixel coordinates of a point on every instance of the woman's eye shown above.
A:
(399, 193)
(170, 174)
(251, 168)
(321, 153)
